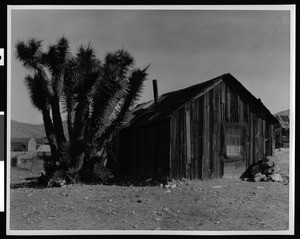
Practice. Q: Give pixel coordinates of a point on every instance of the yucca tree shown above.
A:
(95, 95)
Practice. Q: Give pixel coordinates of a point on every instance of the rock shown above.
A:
(216, 187)
(265, 179)
(255, 170)
(285, 180)
(174, 186)
(266, 163)
(259, 187)
(63, 183)
(276, 177)
(276, 169)
(168, 191)
(259, 177)
(139, 201)
(268, 171)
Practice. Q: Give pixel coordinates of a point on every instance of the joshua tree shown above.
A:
(95, 96)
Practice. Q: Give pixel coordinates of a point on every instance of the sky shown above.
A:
(184, 47)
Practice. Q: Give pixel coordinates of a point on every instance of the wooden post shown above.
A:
(195, 139)
(223, 100)
(206, 142)
(264, 136)
(272, 139)
(228, 104)
(172, 142)
(182, 143)
(215, 172)
(200, 116)
(188, 141)
(251, 157)
(218, 132)
(240, 109)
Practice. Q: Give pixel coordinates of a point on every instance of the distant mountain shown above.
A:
(284, 112)
(25, 130)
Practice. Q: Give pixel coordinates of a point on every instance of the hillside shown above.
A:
(25, 130)
(284, 112)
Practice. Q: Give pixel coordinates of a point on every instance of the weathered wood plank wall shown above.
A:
(196, 134)
(190, 142)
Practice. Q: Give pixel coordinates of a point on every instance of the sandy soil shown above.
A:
(223, 204)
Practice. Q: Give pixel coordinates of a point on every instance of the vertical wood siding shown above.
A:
(189, 144)
(197, 137)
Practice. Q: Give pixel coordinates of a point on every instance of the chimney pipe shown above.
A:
(155, 91)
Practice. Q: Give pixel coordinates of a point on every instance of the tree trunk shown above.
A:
(50, 132)
(62, 151)
(79, 128)
(57, 121)
(92, 155)
(70, 118)
(87, 170)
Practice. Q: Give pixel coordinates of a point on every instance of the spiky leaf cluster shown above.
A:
(95, 95)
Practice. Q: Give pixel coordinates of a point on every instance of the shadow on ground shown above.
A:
(118, 180)
(31, 184)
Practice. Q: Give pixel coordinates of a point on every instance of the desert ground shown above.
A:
(131, 204)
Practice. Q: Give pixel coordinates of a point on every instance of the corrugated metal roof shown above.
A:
(170, 102)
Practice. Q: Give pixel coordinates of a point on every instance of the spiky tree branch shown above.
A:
(96, 97)
(121, 112)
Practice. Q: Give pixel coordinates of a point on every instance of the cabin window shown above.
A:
(234, 141)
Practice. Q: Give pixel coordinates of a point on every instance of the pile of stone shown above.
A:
(264, 170)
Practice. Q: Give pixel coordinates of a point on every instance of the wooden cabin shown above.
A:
(213, 129)
(282, 131)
